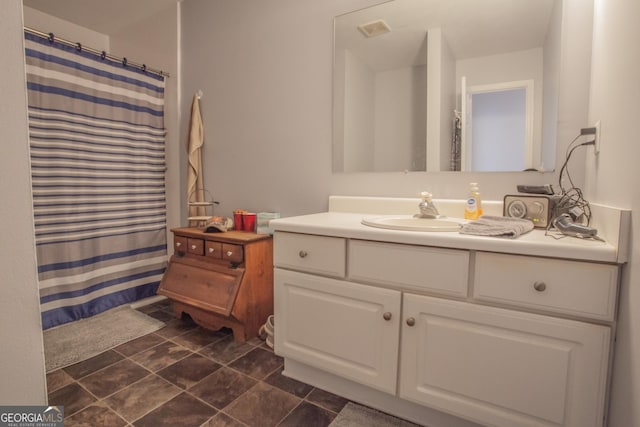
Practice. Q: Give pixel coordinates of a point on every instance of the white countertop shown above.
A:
(535, 242)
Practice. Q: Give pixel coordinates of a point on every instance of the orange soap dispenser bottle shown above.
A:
(473, 209)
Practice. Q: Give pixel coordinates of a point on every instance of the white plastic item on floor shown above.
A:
(269, 329)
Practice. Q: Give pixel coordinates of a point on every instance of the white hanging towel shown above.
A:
(195, 187)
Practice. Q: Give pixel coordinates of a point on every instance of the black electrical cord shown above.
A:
(571, 197)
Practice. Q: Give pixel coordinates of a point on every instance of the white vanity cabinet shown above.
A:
(502, 367)
(344, 328)
(491, 338)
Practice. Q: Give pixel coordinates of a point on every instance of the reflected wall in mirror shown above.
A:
(416, 85)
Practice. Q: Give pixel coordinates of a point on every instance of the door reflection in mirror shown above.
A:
(498, 131)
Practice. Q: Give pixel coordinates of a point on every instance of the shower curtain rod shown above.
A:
(100, 53)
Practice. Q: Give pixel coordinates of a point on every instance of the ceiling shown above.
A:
(104, 16)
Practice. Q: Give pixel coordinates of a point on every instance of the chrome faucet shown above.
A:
(427, 208)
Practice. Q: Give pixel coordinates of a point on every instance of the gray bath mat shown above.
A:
(80, 340)
(354, 415)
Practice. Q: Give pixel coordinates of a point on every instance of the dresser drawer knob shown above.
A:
(539, 286)
(178, 244)
(411, 321)
(387, 315)
(211, 250)
(193, 246)
(229, 253)
(302, 254)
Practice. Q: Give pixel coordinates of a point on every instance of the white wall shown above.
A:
(574, 80)
(441, 96)
(64, 29)
(400, 112)
(441, 100)
(447, 103)
(378, 116)
(613, 178)
(359, 114)
(435, 46)
(22, 368)
(550, 76)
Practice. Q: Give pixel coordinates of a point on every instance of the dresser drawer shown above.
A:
(439, 270)
(315, 254)
(232, 253)
(570, 287)
(195, 246)
(213, 249)
(180, 244)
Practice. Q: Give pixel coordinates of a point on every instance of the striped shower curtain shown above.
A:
(97, 159)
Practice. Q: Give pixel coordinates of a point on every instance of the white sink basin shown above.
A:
(413, 223)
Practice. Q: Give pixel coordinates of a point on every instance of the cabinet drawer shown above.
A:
(232, 253)
(316, 254)
(434, 269)
(180, 244)
(213, 249)
(571, 287)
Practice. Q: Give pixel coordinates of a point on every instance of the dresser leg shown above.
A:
(211, 321)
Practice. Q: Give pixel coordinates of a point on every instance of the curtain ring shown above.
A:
(124, 62)
(79, 47)
(51, 38)
(103, 55)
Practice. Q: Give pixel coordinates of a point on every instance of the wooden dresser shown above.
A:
(221, 279)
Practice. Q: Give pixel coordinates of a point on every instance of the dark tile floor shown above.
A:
(183, 375)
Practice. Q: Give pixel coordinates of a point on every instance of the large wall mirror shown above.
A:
(447, 85)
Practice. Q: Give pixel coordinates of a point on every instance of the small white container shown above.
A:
(263, 219)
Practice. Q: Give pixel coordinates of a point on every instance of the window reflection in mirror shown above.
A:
(399, 69)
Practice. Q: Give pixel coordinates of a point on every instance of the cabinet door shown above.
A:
(344, 328)
(501, 367)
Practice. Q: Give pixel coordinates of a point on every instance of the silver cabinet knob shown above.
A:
(193, 246)
(302, 254)
(178, 244)
(539, 286)
(387, 316)
(411, 321)
(211, 250)
(229, 253)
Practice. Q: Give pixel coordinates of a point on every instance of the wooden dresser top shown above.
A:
(227, 236)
